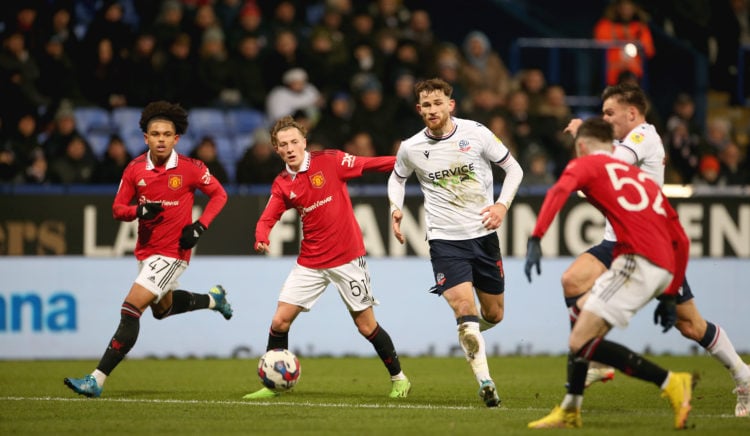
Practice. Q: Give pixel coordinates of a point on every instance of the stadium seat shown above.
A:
(244, 120)
(126, 119)
(206, 121)
(134, 142)
(98, 142)
(93, 119)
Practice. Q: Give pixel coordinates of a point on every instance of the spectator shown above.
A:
(556, 112)
(683, 140)
(295, 93)
(328, 62)
(203, 20)
(58, 78)
(249, 23)
(362, 30)
(75, 166)
(532, 82)
(260, 164)
(104, 77)
(168, 25)
(36, 172)
(61, 27)
(390, 14)
(116, 158)
(142, 71)
(420, 32)
(730, 25)
(538, 171)
(483, 104)
(447, 66)
(247, 68)
(285, 17)
(407, 119)
(63, 129)
(178, 76)
(731, 171)
(19, 73)
(718, 134)
(206, 152)
(625, 22)
(109, 24)
(334, 126)
(361, 144)
(708, 171)
(375, 114)
(482, 67)
(24, 142)
(214, 75)
(285, 55)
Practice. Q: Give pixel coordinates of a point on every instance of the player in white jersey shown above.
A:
(452, 160)
(625, 107)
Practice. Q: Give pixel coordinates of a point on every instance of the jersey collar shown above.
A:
(304, 167)
(171, 162)
(446, 136)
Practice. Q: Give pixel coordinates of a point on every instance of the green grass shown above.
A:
(346, 396)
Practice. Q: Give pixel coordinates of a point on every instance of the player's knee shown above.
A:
(571, 284)
(493, 315)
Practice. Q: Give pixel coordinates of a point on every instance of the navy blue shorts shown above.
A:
(478, 261)
(603, 252)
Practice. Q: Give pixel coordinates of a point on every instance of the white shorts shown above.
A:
(629, 284)
(159, 274)
(304, 286)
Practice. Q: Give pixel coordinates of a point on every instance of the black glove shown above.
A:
(148, 211)
(666, 312)
(533, 256)
(190, 235)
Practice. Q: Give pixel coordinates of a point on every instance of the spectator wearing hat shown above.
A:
(214, 74)
(296, 93)
(708, 171)
(249, 22)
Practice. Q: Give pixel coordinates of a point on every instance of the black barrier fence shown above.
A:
(83, 225)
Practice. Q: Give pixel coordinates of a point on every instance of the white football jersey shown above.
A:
(643, 148)
(455, 174)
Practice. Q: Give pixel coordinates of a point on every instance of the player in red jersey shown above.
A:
(650, 257)
(162, 185)
(332, 250)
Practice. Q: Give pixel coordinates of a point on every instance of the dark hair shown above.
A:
(286, 122)
(628, 93)
(597, 129)
(164, 110)
(431, 85)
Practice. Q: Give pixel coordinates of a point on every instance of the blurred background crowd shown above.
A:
(74, 75)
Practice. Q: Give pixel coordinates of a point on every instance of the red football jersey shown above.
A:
(642, 218)
(173, 185)
(331, 234)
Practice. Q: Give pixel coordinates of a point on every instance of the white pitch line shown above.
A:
(321, 405)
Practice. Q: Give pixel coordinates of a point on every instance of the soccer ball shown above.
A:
(279, 369)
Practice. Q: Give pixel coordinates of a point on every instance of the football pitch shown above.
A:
(347, 396)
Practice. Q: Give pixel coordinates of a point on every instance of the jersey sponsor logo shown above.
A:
(305, 210)
(141, 182)
(636, 137)
(464, 146)
(348, 160)
(174, 182)
(318, 180)
(458, 174)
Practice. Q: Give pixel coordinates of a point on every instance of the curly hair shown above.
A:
(164, 110)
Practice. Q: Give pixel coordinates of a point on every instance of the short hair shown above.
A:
(284, 123)
(628, 93)
(596, 128)
(164, 110)
(431, 85)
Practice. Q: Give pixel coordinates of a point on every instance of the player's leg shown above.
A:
(488, 278)
(716, 341)
(181, 301)
(301, 290)
(576, 282)
(137, 300)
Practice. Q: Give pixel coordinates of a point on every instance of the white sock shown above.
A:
(100, 377)
(723, 350)
(399, 376)
(211, 301)
(477, 360)
(666, 381)
(571, 401)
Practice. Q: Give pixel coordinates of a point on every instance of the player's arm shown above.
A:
(122, 210)
(381, 164)
(396, 193)
(495, 214)
(275, 207)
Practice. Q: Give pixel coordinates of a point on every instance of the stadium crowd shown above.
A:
(345, 68)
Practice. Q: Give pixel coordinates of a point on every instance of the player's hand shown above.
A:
(666, 312)
(190, 235)
(492, 216)
(261, 247)
(533, 256)
(396, 218)
(148, 211)
(573, 126)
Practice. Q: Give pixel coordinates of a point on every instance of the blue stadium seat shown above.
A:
(204, 121)
(98, 142)
(126, 119)
(93, 119)
(244, 120)
(134, 142)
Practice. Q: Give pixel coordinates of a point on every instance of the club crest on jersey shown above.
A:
(318, 180)
(174, 182)
(636, 137)
(463, 146)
